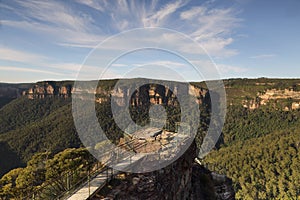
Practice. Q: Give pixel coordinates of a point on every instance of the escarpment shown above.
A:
(146, 94)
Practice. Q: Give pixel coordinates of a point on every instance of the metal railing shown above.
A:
(68, 183)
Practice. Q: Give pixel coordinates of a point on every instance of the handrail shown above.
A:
(83, 181)
(65, 189)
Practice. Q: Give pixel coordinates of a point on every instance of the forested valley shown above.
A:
(258, 148)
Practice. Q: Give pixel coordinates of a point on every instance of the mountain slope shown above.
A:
(263, 168)
(21, 111)
(9, 92)
(52, 130)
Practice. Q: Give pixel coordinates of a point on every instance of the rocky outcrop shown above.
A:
(198, 92)
(156, 94)
(144, 95)
(183, 180)
(9, 92)
(280, 94)
(210, 185)
(46, 89)
(275, 96)
(171, 182)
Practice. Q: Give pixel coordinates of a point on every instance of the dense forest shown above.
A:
(242, 124)
(263, 168)
(48, 172)
(260, 153)
(259, 148)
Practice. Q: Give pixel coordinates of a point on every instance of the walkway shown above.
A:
(98, 182)
(91, 187)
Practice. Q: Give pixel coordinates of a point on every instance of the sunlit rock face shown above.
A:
(47, 89)
(146, 94)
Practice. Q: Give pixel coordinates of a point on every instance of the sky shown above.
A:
(52, 40)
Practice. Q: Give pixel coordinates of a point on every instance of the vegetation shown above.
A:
(263, 168)
(46, 134)
(23, 111)
(45, 168)
(259, 148)
(241, 89)
(242, 124)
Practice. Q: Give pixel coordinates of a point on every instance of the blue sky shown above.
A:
(49, 40)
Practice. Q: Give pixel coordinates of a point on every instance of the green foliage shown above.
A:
(8, 184)
(22, 111)
(241, 89)
(242, 124)
(48, 134)
(33, 175)
(68, 160)
(262, 161)
(39, 125)
(44, 168)
(263, 168)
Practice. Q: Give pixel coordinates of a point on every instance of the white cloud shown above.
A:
(161, 63)
(54, 13)
(217, 47)
(93, 4)
(262, 56)
(21, 69)
(19, 56)
(229, 69)
(211, 27)
(56, 21)
(31, 59)
(119, 65)
(69, 25)
(158, 18)
(192, 13)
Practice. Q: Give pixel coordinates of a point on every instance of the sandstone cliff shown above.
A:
(183, 180)
(47, 89)
(146, 94)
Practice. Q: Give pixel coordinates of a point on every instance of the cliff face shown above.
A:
(146, 94)
(182, 180)
(9, 92)
(47, 89)
(288, 99)
(171, 182)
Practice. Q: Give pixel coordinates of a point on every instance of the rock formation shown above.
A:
(146, 94)
(184, 179)
(47, 89)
